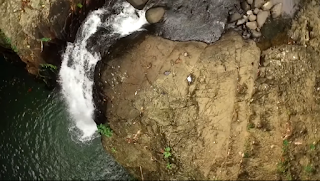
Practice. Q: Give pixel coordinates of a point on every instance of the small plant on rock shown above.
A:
(169, 166)
(309, 169)
(79, 5)
(105, 130)
(45, 39)
(167, 152)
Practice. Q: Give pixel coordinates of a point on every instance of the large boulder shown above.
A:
(188, 96)
(187, 20)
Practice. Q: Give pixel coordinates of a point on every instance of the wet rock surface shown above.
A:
(187, 20)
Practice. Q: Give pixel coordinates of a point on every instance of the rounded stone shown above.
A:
(276, 11)
(252, 17)
(154, 15)
(234, 17)
(249, 12)
(250, 1)
(256, 11)
(252, 25)
(258, 3)
(267, 6)
(241, 21)
(262, 17)
(255, 34)
(245, 6)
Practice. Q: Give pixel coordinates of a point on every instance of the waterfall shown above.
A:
(80, 58)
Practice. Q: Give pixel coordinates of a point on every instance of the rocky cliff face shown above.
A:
(38, 30)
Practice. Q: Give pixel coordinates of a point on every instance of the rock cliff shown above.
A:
(38, 30)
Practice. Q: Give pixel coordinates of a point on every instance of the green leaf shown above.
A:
(105, 130)
(169, 166)
(79, 5)
(167, 154)
(285, 142)
(312, 146)
(45, 39)
(167, 149)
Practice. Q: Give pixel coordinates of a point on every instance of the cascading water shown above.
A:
(80, 58)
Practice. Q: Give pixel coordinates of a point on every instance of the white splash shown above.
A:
(78, 64)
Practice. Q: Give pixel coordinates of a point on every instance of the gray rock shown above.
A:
(192, 20)
(234, 17)
(249, 12)
(245, 6)
(252, 25)
(255, 34)
(262, 17)
(256, 11)
(258, 3)
(276, 11)
(252, 17)
(250, 1)
(267, 6)
(138, 4)
(154, 15)
(241, 21)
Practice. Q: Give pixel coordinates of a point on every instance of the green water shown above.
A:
(35, 137)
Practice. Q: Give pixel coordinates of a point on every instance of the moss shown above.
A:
(5, 41)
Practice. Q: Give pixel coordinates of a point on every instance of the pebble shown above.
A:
(234, 17)
(154, 15)
(256, 10)
(258, 3)
(252, 17)
(245, 6)
(276, 11)
(249, 12)
(241, 21)
(252, 25)
(267, 6)
(250, 1)
(262, 17)
(255, 33)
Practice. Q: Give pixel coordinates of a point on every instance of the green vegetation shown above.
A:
(167, 155)
(49, 66)
(113, 150)
(6, 42)
(167, 152)
(47, 72)
(79, 5)
(285, 146)
(283, 166)
(45, 39)
(105, 130)
(169, 166)
(309, 169)
(250, 126)
(246, 155)
(312, 147)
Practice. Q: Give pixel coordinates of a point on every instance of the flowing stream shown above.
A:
(99, 31)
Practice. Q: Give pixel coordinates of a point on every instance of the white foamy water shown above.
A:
(78, 64)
